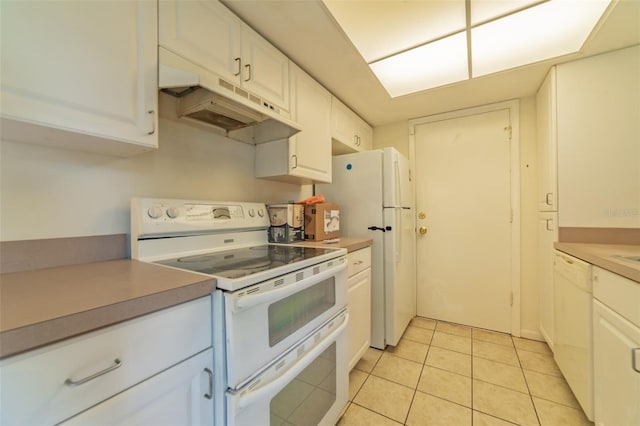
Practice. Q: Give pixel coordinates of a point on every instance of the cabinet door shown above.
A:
(73, 67)
(181, 395)
(547, 145)
(265, 69)
(364, 134)
(204, 32)
(342, 129)
(547, 235)
(598, 134)
(359, 315)
(616, 342)
(311, 148)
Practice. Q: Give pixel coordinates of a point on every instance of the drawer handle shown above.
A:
(209, 395)
(359, 262)
(116, 364)
(634, 364)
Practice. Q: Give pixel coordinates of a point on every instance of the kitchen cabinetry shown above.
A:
(56, 382)
(547, 201)
(547, 235)
(349, 132)
(180, 395)
(80, 75)
(305, 157)
(359, 282)
(616, 329)
(598, 129)
(547, 144)
(208, 34)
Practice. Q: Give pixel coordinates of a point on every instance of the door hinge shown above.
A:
(511, 302)
(510, 130)
(511, 216)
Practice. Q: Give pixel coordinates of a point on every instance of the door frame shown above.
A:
(513, 106)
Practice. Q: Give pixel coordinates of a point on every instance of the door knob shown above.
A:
(423, 230)
(422, 215)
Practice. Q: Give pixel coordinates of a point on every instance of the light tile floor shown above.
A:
(453, 375)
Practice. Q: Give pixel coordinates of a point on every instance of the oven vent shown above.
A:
(253, 290)
(254, 384)
(300, 276)
(316, 270)
(301, 350)
(280, 365)
(276, 283)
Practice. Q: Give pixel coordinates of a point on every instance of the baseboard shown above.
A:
(531, 334)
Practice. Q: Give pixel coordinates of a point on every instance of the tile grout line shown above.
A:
(524, 376)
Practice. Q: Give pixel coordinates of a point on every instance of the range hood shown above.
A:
(230, 110)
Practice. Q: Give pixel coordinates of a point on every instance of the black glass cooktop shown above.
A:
(239, 263)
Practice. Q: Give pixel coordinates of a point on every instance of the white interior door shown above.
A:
(463, 190)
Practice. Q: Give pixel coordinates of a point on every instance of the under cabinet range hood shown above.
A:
(230, 110)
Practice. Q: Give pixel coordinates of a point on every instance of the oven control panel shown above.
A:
(157, 217)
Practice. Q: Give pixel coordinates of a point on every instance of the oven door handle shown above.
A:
(249, 300)
(279, 383)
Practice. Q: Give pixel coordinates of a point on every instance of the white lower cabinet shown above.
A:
(181, 395)
(54, 383)
(616, 343)
(359, 283)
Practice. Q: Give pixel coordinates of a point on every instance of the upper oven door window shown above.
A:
(288, 315)
(266, 320)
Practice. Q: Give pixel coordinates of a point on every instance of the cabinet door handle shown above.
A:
(549, 222)
(152, 113)
(634, 364)
(73, 383)
(549, 198)
(239, 62)
(248, 67)
(209, 395)
(295, 161)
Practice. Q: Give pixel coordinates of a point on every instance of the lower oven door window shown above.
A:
(262, 325)
(303, 388)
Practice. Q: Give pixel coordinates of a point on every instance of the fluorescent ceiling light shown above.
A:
(435, 64)
(382, 28)
(486, 10)
(396, 38)
(549, 30)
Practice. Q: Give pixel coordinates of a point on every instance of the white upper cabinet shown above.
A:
(80, 75)
(598, 119)
(349, 132)
(547, 144)
(211, 36)
(305, 157)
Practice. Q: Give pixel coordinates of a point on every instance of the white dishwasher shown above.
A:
(573, 312)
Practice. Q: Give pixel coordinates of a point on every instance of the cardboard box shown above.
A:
(287, 223)
(321, 221)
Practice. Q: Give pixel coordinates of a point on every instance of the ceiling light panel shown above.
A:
(549, 30)
(486, 10)
(381, 28)
(435, 64)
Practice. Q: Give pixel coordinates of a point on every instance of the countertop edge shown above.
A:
(594, 254)
(351, 244)
(22, 339)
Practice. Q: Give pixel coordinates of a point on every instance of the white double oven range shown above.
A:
(279, 311)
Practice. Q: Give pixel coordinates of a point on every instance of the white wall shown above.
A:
(51, 193)
(397, 135)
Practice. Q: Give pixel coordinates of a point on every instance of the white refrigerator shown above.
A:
(375, 195)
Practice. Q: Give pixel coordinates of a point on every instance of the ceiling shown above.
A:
(307, 33)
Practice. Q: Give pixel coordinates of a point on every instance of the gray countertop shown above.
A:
(606, 256)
